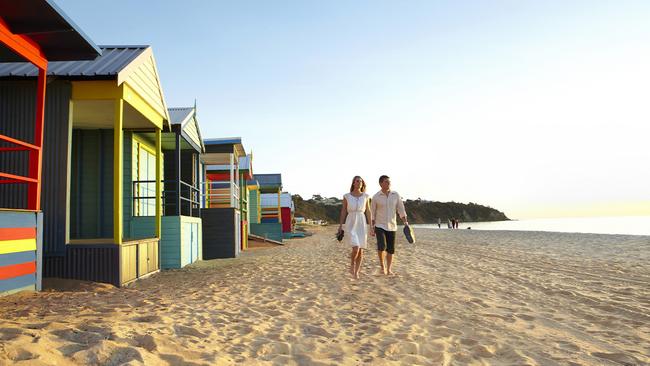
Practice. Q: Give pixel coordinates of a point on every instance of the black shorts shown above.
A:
(385, 240)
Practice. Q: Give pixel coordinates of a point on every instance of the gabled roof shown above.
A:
(269, 181)
(179, 116)
(133, 65)
(185, 120)
(58, 37)
(224, 144)
(112, 61)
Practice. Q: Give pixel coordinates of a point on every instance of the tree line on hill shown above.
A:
(419, 211)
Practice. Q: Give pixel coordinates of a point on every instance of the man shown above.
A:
(385, 204)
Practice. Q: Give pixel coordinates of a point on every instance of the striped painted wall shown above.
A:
(20, 251)
(254, 209)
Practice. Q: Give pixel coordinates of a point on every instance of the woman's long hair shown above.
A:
(363, 184)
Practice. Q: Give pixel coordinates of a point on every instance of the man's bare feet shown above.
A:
(391, 273)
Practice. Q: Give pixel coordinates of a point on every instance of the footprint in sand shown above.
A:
(37, 325)
(468, 341)
(482, 351)
(145, 341)
(525, 317)
(184, 331)
(402, 348)
(147, 319)
(106, 355)
(617, 357)
(78, 336)
(7, 334)
(267, 350)
(20, 354)
(311, 330)
(70, 349)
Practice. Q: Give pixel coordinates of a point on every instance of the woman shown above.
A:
(356, 216)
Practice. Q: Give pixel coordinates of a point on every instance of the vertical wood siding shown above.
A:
(91, 193)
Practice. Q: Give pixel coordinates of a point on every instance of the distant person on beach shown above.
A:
(448, 223)
(438, 223)
(385, 204)
(356, 216)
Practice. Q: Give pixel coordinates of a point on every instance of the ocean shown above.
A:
(625, 225)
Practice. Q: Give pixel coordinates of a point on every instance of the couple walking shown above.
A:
(359, 211)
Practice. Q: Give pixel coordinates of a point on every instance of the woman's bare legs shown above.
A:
(356, 252)
(358, 262)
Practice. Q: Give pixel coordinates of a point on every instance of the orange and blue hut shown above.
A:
(104, 133)
(33, 33)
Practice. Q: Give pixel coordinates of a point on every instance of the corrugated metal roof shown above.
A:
(266, 180)
(58, 37)
(222, 141)
(110, 63)
(179, 115)
(218, 144)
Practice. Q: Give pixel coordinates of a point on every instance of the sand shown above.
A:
(461, 297)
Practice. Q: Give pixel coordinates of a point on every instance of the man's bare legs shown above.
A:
(389, 264)
(382, 254)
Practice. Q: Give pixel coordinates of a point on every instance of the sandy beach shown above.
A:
(461, 297)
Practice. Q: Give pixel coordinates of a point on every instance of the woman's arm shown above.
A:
(368, 213)
(344, 213)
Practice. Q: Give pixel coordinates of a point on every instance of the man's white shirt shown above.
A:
(384, 207)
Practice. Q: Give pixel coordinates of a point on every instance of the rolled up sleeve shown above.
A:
(400, 207)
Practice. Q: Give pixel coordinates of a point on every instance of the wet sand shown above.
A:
(461, 297)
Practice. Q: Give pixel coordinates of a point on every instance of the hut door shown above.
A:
(187, 246)
(237, 233)
(195, 242)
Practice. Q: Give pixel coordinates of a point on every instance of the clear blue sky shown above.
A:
(536, 108)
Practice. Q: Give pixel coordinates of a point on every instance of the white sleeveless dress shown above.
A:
(356, 229)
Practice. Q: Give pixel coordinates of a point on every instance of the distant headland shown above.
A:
(419, 211)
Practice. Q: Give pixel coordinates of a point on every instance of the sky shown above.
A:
(535, 108)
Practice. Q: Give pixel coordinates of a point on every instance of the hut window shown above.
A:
(144, 176)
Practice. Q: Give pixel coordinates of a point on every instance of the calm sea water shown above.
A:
(630, 225)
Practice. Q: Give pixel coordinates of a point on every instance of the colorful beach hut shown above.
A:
(34, 32)
(286, 212)
(222, 235)
(270, 225)
(180, 243)
(254, 205)
(104, 133)
(245, 174)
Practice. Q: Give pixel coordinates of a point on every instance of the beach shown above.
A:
(460, 297)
